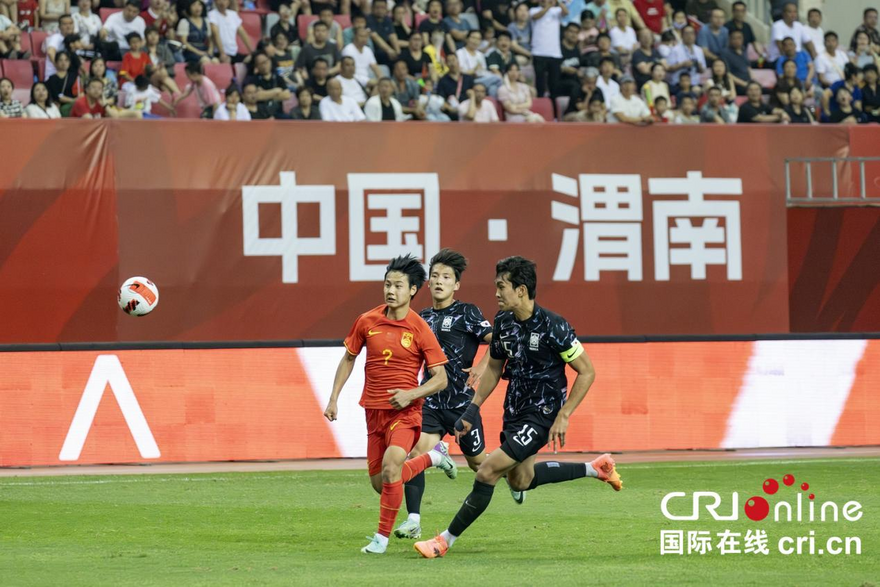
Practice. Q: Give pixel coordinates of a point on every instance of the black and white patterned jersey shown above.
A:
(459, 328)
(536, 352)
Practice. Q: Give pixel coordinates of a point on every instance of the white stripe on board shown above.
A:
(793, 393)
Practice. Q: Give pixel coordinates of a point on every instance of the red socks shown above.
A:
(392, 493)
(413, 467)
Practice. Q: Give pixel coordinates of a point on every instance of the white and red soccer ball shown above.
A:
(138, 296)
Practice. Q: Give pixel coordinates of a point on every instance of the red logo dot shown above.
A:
(771, 486)
(757, 508)
(805, 486)
(788, 480)
(812, 496)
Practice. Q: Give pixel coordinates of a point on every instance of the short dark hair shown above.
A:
(233, 89)
(63, 16)
(503, 34)
(606, 60)
(194, 68)
(320, 23)
(134, 3)
(435, 2)
(871, 67)
(659, 99)
(603, 36)
(519, 271)
(452, 259)
(473, 32)
(736, 32)
(409, 266)
(684, 74)
(788, 39)
(850, 70)
(812, 10)
(349, 57)
(150, 29)
(585, 14)
(358, 16)
(320, 60)
(132, 35)
(141, 82)
(325, 8)
(301, 89)
(739, 3)
(572, 25)
(711, 89)
(830, 34)
(867, 12)
(95, 79)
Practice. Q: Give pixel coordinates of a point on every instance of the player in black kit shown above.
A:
(459, 327)
(530, 348)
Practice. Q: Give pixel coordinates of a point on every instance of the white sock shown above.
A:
(591, 472)
(417, 518)
(449, 538)
(383, 540)
(436, 457)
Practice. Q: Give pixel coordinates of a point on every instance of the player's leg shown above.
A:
(415, 488)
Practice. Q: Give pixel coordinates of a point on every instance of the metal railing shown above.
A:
(818, 194)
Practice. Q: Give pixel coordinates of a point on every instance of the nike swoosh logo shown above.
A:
(395, 424)
(570, 353)
(371, 333)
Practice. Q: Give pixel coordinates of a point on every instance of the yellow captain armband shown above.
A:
(576, 350)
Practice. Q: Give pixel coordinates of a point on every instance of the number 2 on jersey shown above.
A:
(387, 354)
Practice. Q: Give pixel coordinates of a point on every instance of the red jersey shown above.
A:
(396, 350)
(151, 20)
(27, 10)
(81, 107)
(133, 66)
(652, 13)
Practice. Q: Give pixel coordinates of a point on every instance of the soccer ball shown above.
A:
(138, 296)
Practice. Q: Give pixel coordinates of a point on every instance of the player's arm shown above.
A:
(488, 383)
(475, 372)
(586, 374)
(343, 372)
(437, 382)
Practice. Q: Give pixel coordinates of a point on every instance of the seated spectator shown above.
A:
(788, 80)
(207, 94)
(473, 62)
(830, 65)
(610, 88)
(457, 27)
(737, 62)
(98, 69)
(679, 21)
(516, 98)
(756, 111)
(454, 85)
(686, 57)
(334, 30)
(805, 70)
(384, 106)
(722, 80)
(232, 108)
(738, 23)
(789, 27)
(797, 112)
(64, 84)
(657, 86)
(851, 82)
(685, 87)
(382, 33)
(142, 97)
(644, 59)
(358, 22)
(869, 26)
(652, 13)
(589, 33)
(433, 103)
(306, 109)
(871, 94)
(256, 110)
(627, 107)
(631, 12)
(406, 91)
(571, 61)
(499, 59)
(496, 14)
(623, 36)
(596, 112)
(864, 54)
(351, 85)
(701, 9)
(521, 31)
(487, 43)
(401, 19)
(661, 112)
(687, 107)
(365, 64)
(42, 105)
(434, 51)
(135, 61)
(10, 40)
(194, 32)
(477, 107)
(73, 46)
(814, 29)
(713, 39)
(286, 22)
(161, 63)
(319, 48)
(317, 82)
(434, 23)
(55, 43)
(714, 110)
(283, 60)
(226, 26)
(668, 42)
(118, 26)
(159, 15)
(271, 89)
(846, 112)
(418, 63)
(91, 104)
(603, 51)
(579, 102)
(338, 108)
(9, 108)
(50, 12)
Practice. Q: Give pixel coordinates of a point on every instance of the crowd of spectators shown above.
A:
(636, 62)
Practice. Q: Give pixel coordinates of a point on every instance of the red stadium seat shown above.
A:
(20, 72)
(544, 107)
(41, 69)
(344, 20)
(740, 100)
(105, 12)
(765, 77)
(498, 107)
(253, 26)
(751, 54)
(240, 71)
(179, 74)
(114, 65)
(220, 74)
(302, 24)
(37, 39)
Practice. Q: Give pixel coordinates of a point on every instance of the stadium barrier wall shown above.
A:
(193, 405)
(277, 232)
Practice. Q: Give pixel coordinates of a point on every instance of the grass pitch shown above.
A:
(306, 528)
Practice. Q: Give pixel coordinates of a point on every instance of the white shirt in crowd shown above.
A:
(87, 26)
(545, 33)
(353, 89)
(609, 89)
(373, 109)
(142, 100)
(486, 112)
(780, 31)
(634, 107)
(34, 111)
(625, 39)
(241, 112)
(227, 25)
(117, 28)
(682, 53)
(348, 111)
(817, 35)
(362, 61)
(53, 41)
(831, 68)
(468, 62)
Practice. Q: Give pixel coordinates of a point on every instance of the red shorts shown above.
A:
(391, 428)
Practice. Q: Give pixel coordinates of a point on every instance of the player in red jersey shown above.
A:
(398, 342)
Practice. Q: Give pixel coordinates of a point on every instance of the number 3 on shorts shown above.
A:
(526, 435)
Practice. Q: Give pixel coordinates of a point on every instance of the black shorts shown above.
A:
(523, 436)
(443, 422)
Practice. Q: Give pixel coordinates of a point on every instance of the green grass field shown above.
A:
(306, 528)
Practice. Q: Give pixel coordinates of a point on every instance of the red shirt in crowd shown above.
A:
(81, 107)
(651, 12)
(27, 11)
(161, 25)
(133, 66)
